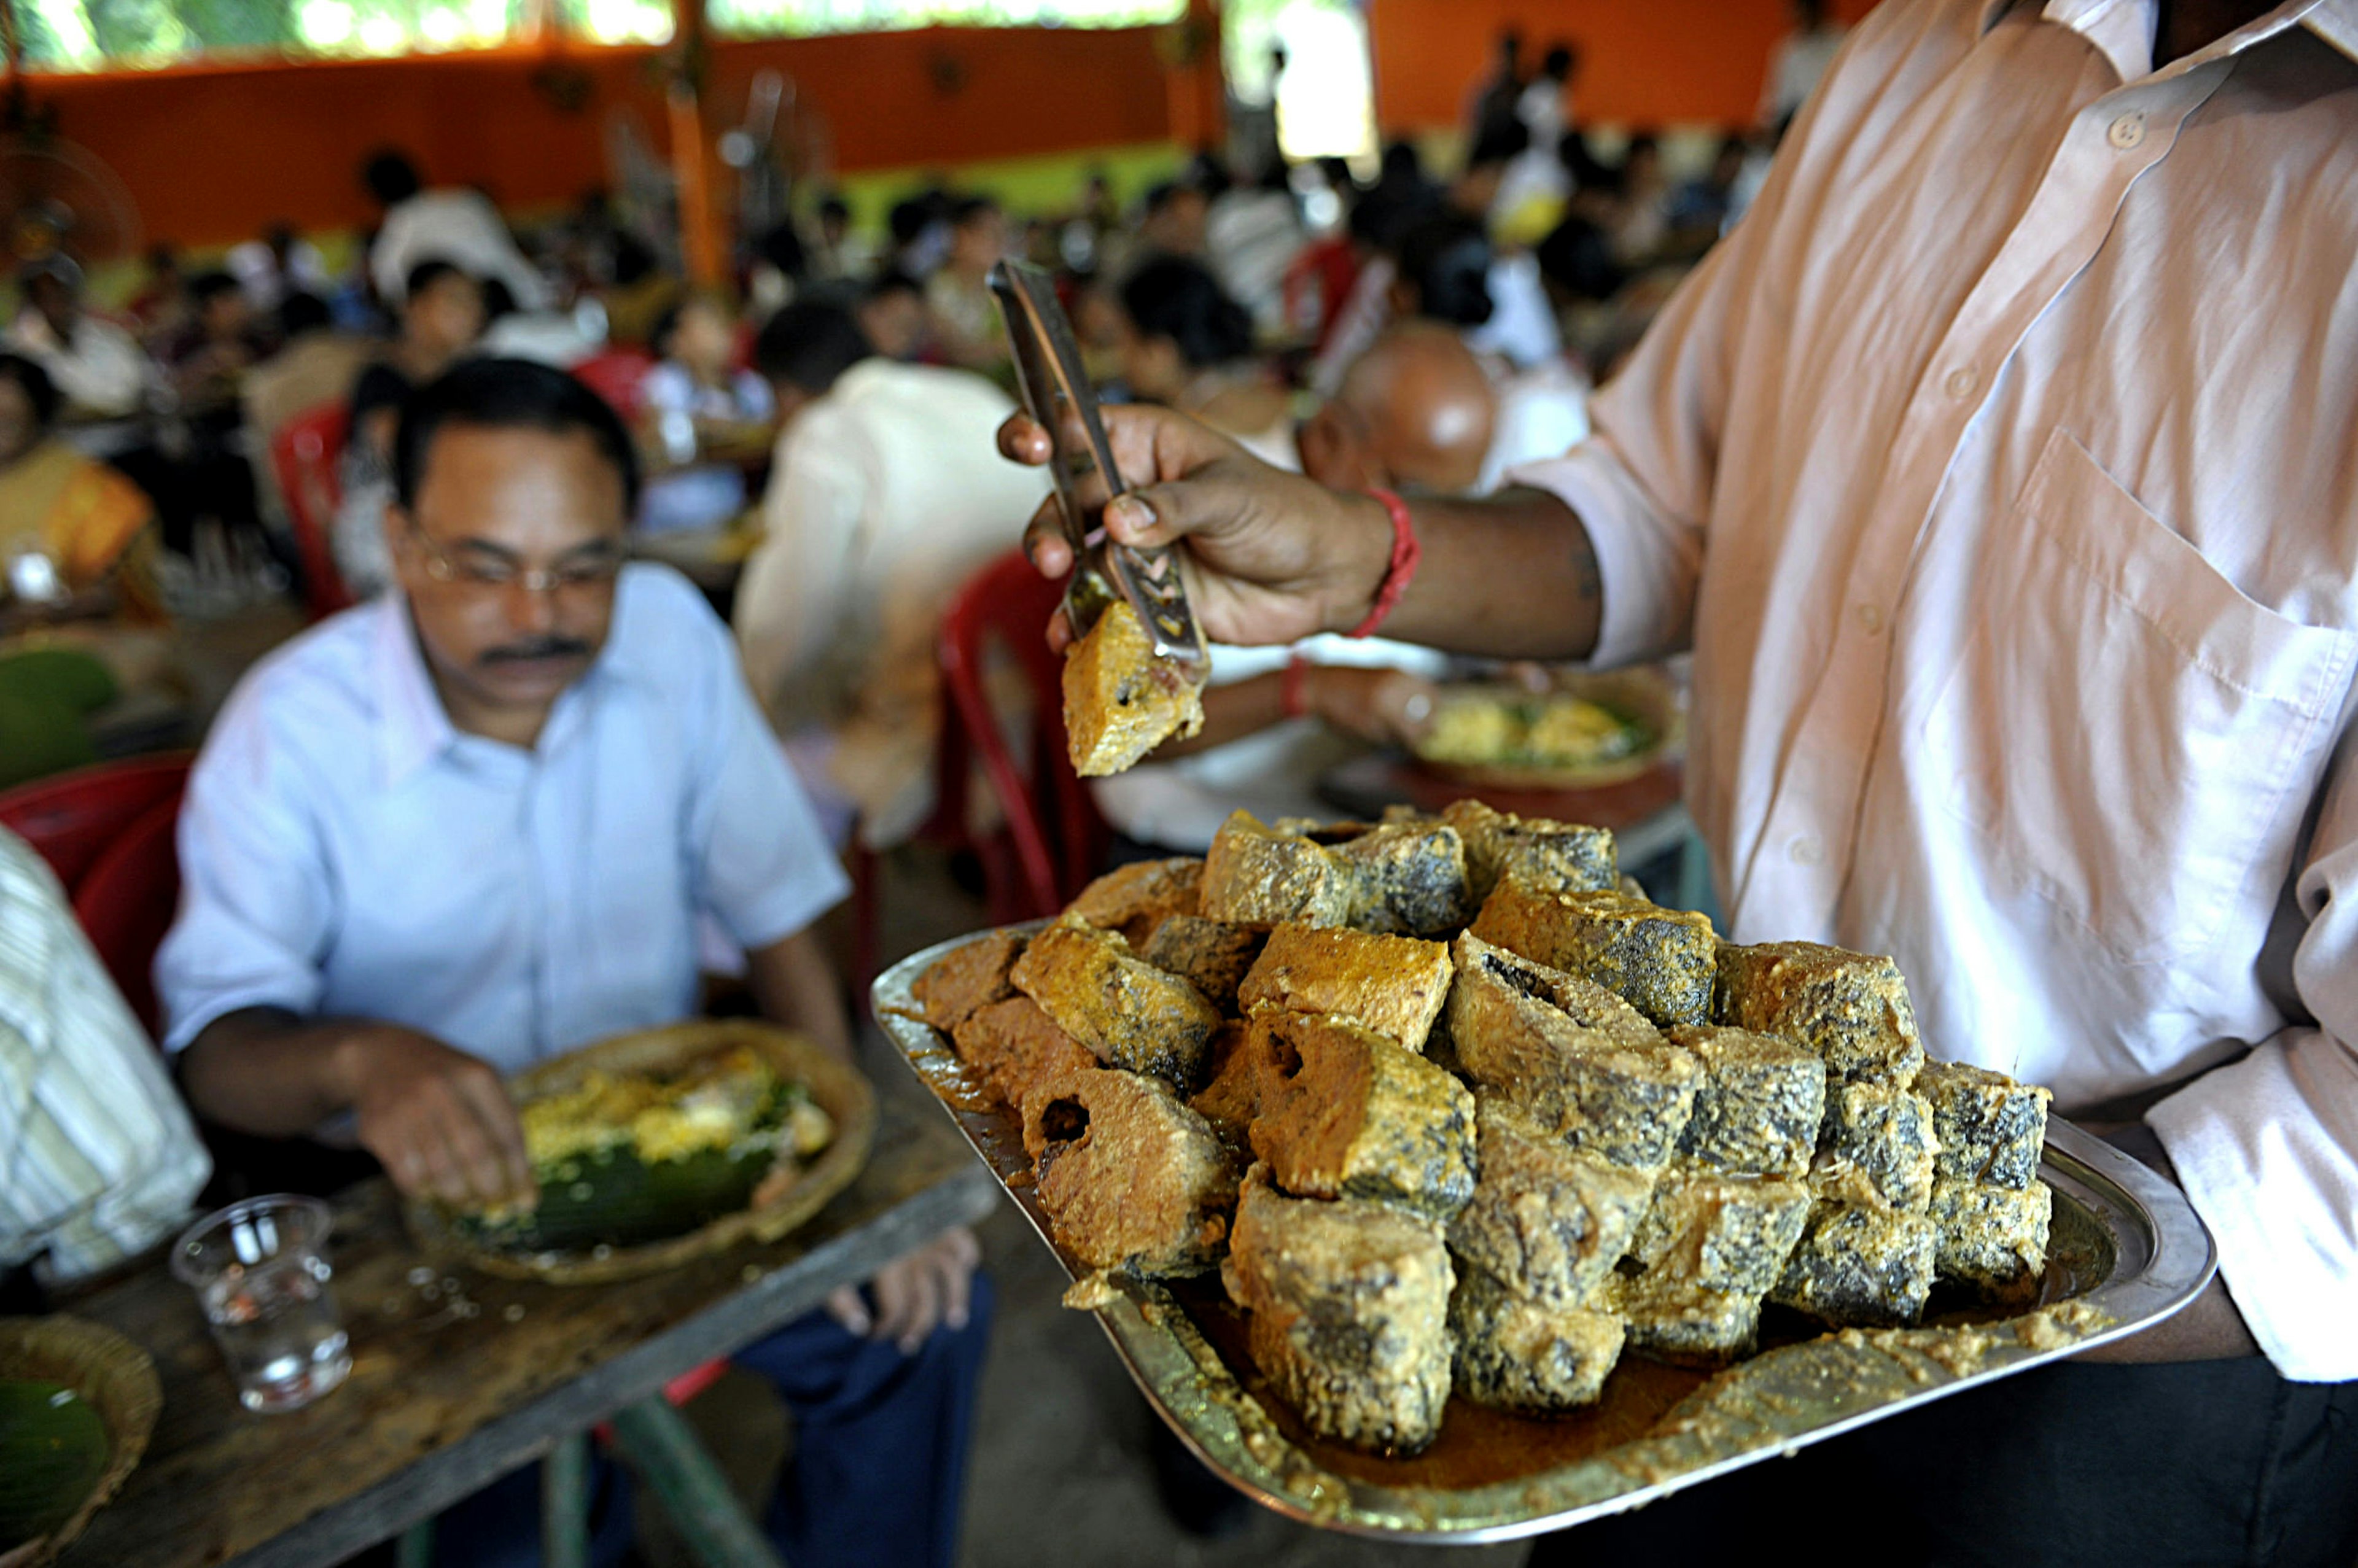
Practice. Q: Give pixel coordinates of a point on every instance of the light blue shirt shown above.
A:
(345, 851)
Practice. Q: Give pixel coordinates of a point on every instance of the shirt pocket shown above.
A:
(2127, 733)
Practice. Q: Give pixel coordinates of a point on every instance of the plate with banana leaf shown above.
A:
(77, 1404)
(1577, 732)
(656, 1148)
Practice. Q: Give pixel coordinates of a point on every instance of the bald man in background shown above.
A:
(1415, 413)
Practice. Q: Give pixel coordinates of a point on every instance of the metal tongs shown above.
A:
(1057, 395)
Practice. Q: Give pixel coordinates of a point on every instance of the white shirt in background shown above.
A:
(97, 1159)
(2010, 516)
(887, 494)
(1796, 65)
(102, 372)
(460, 227)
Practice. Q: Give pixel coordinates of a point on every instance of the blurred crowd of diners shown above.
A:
(1426, 323)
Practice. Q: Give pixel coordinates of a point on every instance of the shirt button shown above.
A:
(1806, 850)
(1870, 618)
(1961, 381)
(2128, 131)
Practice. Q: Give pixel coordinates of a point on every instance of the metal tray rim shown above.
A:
(2165, 1257)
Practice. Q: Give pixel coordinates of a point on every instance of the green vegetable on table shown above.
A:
(53, 1451)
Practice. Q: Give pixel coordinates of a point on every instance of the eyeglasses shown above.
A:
(594, 567)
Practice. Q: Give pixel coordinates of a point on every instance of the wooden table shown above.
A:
(441, 1403)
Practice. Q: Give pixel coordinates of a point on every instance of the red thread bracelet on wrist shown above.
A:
(1293, 689)
(1406, 553)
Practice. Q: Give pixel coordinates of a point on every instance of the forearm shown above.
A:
(265, 1071)
(795, 986)
(1510, 575)
(1232, 712)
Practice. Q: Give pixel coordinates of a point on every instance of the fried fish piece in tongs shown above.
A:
(1135, 675)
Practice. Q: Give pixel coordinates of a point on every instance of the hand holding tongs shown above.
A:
(1057, 395)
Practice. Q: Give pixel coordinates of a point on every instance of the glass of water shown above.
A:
(260, 1267)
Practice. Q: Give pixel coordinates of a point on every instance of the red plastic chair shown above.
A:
(70, 819)
(1052, 822)
(126, 901)
(615, 374)
(305, 455)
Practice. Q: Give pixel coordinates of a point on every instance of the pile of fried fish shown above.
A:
(1450, 1105)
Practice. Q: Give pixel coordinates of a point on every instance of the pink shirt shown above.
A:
(2001, 469)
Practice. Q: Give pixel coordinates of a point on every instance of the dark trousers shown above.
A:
(878, 1463)
(2210, 1463)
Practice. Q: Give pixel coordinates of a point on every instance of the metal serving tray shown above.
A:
(2125, 1251)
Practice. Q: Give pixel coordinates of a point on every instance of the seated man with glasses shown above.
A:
(481, 821)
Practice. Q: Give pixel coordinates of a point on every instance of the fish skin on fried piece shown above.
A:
(1549, 1223)
(1121, 700)
(1258, 875)
(969, 977)
(1132, 1181)
(1662, 961)
(1878, 1149)
(1852, 1009)
(1762, 1103)
(1992, 1238)
(1730, 1234)
(1394, 985)
(1350, 1114)
(1410, 879)
(1513, 1353)
(1130, 1015)
(1544, 855)
(1136, 898)
(1610, 1085)
(1670, 1318)
(1990, 1129)
(1348, 1305)
(1861, 1268)
(1210, 955)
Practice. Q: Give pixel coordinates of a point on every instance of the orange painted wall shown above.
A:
(1643, 62)
(213, 154)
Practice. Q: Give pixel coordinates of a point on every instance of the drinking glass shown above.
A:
(260, 1268)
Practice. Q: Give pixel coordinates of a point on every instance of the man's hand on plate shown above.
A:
(1271, 557)
(1384, 708)
(915, 1293)
(438, 1118)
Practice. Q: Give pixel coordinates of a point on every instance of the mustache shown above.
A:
(536, 648)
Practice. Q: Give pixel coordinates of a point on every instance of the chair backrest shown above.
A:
(1058, 835)
(615, 374)
(126, 902)
(305, 455)
(71, 819)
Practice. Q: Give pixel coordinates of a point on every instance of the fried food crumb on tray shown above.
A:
(1120, 699)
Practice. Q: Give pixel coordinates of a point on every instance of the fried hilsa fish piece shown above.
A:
(1130, 1015)
(1394, 985)
(1121, 700)
(1131, 1180)
(1350, 1114)
(1349, 1308)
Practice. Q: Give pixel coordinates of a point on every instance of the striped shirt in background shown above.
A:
(98, 1157)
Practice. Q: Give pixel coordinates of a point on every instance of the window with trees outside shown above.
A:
(102, 34)
(774, 18)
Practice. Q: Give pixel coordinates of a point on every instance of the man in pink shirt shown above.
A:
(1996, 469)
